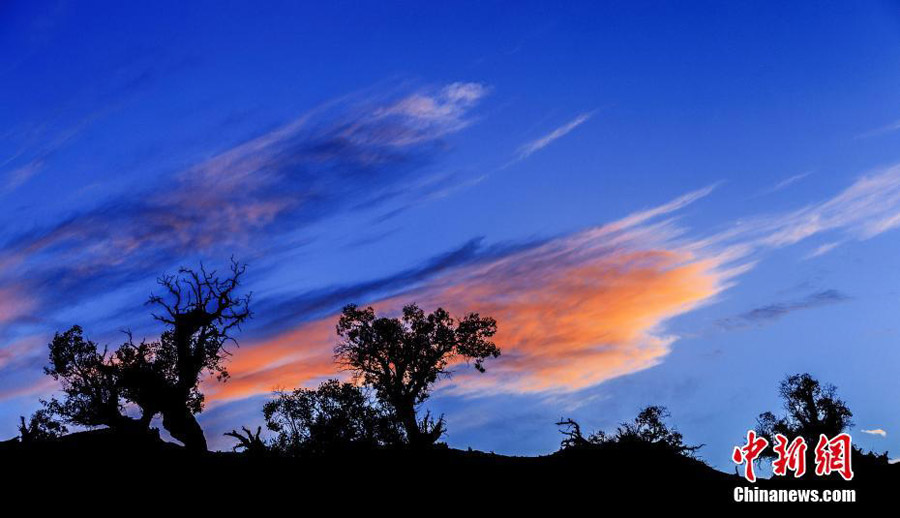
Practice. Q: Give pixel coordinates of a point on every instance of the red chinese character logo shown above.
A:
(748, 453)
(790, 456)
(834, 455)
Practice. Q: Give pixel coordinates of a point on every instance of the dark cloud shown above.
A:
(774, 311)
(274, 315)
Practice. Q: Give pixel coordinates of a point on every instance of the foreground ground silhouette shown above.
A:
(640, 475)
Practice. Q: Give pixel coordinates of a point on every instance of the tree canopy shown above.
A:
(334, 417)
(401, 358)
(811, 409)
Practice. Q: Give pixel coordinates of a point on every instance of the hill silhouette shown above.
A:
(638, 474)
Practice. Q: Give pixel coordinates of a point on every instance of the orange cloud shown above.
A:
(288, 360)
(571, 313)
(575, 326)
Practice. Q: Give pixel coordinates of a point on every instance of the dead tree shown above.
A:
(248, 442)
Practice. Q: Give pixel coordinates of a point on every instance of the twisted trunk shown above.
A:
(182, 425)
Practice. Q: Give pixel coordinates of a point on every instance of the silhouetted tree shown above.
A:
(201, 310)
(42, 426)
(811, 409)
(571, 430)
(334, 417)
(401, 358)
(648, 428)
(146, 373)
(90, 381)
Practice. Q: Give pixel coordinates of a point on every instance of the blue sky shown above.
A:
(693, 199)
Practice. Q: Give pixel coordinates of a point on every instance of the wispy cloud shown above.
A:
(883, 130)
(787, 182)
(536, 145)
(865, 209)
(774, 311)
(20, 175)
(823, 249)
(876, 431)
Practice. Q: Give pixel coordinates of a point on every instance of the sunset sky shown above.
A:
(672, 203)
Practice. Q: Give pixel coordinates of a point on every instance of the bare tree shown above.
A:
(248, 442)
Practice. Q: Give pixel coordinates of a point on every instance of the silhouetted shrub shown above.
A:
(332, 418)
(42, 426)
(648, 428)
(402, 358)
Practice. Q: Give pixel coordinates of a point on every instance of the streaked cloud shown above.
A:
(787, 182)
(883, 130)
(823, 249)
(20, 175)
(868, 207)
(876, 431)
(536, 145)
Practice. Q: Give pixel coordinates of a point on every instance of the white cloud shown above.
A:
(890, 128)
(868, 207)
(787, 182)
(536, 145)
(823, 249)
(876, 431)
(434, 113)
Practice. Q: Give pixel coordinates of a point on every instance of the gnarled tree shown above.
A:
(201, 310)
(402, 358)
